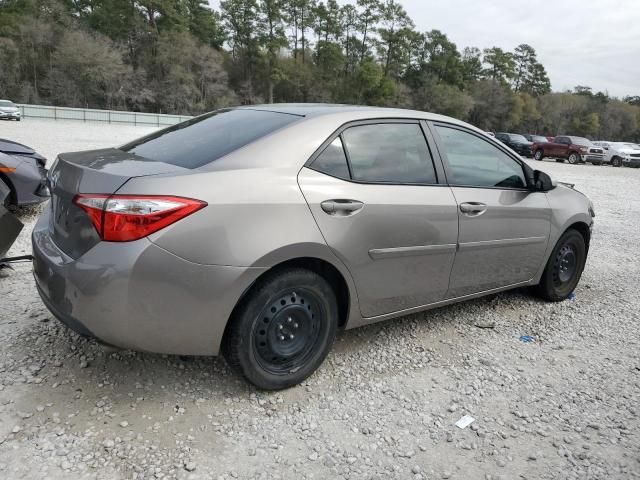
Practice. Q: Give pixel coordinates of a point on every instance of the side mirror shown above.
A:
(542, 182)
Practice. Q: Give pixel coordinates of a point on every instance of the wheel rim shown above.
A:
(573, 158)
(565, 265)
(285, 334)
(538, 155)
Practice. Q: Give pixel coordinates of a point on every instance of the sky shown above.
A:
(594, 42)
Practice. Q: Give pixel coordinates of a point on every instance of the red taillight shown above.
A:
(122, 218)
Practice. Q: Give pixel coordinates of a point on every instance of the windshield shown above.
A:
(581, 141)
(518, 138)
(538, 139)
(633, 146)
(206, 138)
(6, 103)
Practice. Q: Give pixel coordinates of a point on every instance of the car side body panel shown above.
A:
(175, 290)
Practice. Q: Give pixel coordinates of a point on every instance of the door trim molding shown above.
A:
(507, 242)
(381, 253)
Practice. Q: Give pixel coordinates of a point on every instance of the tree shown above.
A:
(471, 64)
(396, 33)
(493, 104)
(369, 16)
(242, 21)
(500, 65)
(273, 37)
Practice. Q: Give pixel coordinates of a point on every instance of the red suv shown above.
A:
(573, 149)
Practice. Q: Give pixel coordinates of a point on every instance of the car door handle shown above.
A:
(473, 209)
(341, 207)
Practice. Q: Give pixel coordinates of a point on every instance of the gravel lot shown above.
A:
(384, 404)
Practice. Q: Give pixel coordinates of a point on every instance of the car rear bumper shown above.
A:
(135, 295)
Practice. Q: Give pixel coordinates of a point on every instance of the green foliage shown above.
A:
(182, 56)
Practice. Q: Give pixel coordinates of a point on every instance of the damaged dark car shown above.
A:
(23, 173)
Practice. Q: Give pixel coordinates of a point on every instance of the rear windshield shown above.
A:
(206, 138)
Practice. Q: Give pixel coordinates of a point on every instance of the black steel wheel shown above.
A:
(564, 267)
(288, 329)
(283, 330)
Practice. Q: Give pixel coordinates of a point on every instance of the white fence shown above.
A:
(92, 115)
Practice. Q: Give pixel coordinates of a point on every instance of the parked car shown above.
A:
(10, 226)
(516, 142)
(23, 171)
(9, 110)
(260, 231)
(573, 149)
(620, 154)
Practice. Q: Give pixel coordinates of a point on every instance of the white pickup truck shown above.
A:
(620, 154)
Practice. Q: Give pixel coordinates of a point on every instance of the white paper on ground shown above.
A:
(465, 421)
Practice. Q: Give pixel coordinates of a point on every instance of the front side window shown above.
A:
(475, 162)
(389, 153)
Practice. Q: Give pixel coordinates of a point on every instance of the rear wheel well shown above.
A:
(321, 267)
(584, 230)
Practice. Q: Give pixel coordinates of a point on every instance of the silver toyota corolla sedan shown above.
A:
(260, 231)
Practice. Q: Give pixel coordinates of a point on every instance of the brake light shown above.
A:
(123, 218)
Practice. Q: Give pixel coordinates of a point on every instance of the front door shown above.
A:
(377, 200)
(504, 226)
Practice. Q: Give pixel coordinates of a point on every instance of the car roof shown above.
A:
(322, 109)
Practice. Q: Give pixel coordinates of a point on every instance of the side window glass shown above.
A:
(389, 153)
(333, 161)
(475, 162)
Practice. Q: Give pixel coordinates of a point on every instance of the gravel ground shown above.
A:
(384, 404)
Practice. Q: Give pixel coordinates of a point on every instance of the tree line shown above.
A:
(181, 56)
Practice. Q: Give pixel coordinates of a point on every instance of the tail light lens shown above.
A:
(123, 218)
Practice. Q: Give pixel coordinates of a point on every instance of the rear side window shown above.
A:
(204, 139)
(475, 162)
(333, 161)
(389, 153)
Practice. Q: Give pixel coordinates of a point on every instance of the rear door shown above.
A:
(385, 210)
(504, 226)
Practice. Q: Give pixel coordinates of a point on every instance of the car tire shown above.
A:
(539, 155)
(574, 158)
(564, 267)
(616, 162)
(283, 330)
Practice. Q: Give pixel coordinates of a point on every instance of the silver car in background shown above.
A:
(9, 110)
(260, 231)
(621, 154)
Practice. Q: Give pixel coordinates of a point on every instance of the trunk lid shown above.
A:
(96, 171)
